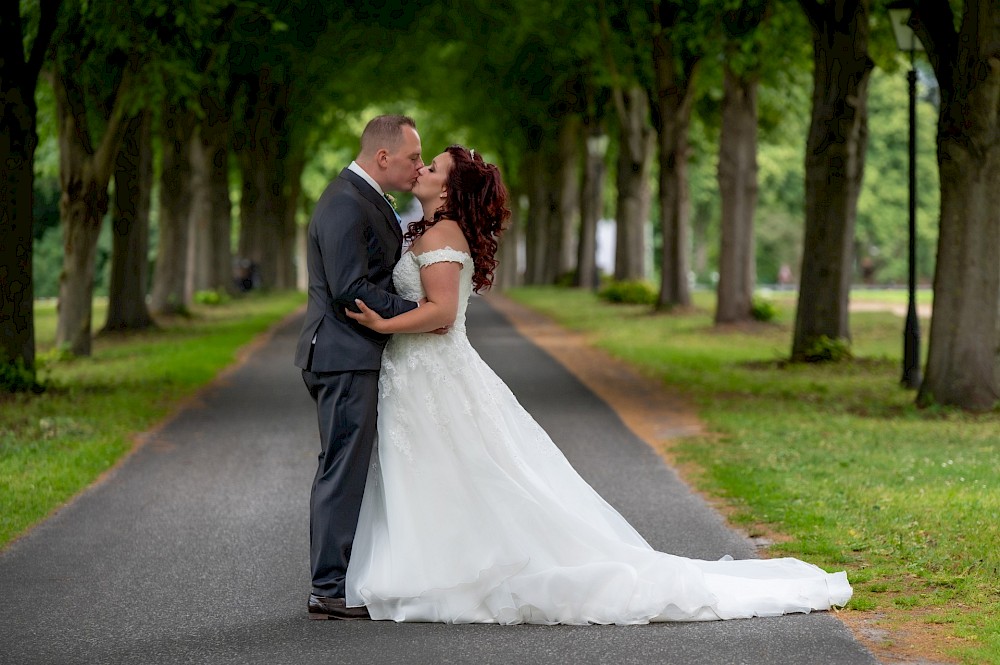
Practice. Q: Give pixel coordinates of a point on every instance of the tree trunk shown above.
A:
(200, 252)
(263, 158)
(170, 276)
(963, 361)
(262, 214)
(295, 165)
(672, 101)
(567, 193)
(82, 208)
(214, 132)
(545, 231)
(84, 174)
(508, 274)
(301, 269)
(18, 141)
(635, 151)
(533, 173)
(738, 193)
(130, 240)
(217, 152)
(834, 165)
(595, 145)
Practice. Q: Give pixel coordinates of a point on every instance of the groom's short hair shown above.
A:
(384, 131)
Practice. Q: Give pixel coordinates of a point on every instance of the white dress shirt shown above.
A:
(367, 178)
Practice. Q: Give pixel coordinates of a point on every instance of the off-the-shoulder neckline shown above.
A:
(439, 249)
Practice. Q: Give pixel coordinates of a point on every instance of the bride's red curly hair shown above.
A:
(477, 201)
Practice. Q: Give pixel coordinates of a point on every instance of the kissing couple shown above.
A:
(437, 496)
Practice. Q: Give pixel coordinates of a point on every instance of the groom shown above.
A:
(354, 242)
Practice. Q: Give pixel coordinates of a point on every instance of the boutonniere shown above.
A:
(391, 199)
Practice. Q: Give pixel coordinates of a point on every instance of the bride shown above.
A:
(470, 512)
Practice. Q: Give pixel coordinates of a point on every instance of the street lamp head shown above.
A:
(899, 14)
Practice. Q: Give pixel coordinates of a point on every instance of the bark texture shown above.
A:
(834, 166)
(85, 171)
(738, 193)
(543, 228)
(563, 232)
(635, 157)
(509, 273)
(595, 143)
(129, 277)
(18, 140)
(169, 295)
(963, 361)
(263, 150)
(672, 101)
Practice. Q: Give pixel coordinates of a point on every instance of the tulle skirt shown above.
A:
(472, 514)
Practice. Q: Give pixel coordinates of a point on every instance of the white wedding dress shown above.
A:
(472, 514)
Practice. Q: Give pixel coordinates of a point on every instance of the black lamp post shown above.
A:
(899, 13)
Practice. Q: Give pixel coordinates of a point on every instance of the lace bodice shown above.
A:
(406, 277)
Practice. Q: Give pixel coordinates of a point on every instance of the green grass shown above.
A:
(56, 443)
(899, 296)
(834, 457)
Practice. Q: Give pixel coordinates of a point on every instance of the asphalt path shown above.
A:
(195, 550)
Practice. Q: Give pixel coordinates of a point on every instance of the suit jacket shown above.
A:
(354, 241)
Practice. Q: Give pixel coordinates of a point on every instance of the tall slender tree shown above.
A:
(178, 121)
(624, 46)
(129, 278)
(737, 170)
(19, 72)
(679, 37)
(594, 141)
(835, 159)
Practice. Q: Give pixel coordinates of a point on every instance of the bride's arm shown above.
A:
(440, 282)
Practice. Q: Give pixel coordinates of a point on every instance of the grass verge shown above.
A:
(54, 444)
(831, 462)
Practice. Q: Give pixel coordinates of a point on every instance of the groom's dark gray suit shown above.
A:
(354, 242)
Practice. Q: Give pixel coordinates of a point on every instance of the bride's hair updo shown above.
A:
(477, 201)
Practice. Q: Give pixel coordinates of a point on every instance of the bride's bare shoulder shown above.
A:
(446, 233)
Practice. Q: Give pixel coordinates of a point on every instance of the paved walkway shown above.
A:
(195, 550)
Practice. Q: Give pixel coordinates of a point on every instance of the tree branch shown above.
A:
(814, 12)
(46, 28)
(11, 39)
(617, 93)
(70, 104)
(934, 22)
(117, 124)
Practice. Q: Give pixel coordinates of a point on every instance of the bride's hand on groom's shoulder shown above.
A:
(366, 316)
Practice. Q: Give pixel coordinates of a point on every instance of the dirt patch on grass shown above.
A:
(659, 417)
(904, 637)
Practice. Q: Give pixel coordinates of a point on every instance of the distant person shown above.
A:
(243, 275)
(471, 513)
(868, 270)
(353, 242)
(784, 275)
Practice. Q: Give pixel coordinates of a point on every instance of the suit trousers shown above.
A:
(346, 406)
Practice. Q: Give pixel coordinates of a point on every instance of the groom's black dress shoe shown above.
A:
(322, 607)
